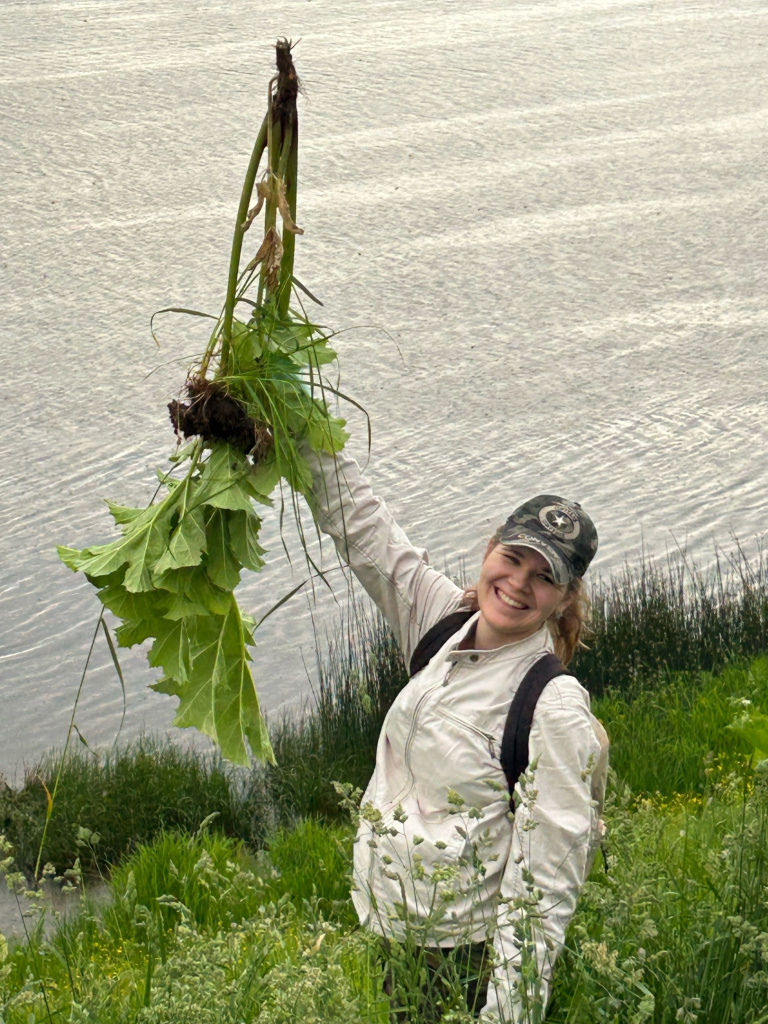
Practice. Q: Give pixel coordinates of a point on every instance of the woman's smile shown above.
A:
(511, 602)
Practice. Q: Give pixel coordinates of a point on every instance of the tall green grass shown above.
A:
(360, 674)
(197, 931)
(128, 795)
(670, 738)
(310, 863)
(676, 930)
(199, 878)
(675, 616)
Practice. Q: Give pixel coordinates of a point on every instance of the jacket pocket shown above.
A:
(488, 739)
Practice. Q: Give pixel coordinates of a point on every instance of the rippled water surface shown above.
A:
(541, 226)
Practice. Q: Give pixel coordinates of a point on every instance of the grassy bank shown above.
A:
(674, 616)
(128, 795)
(201, 930)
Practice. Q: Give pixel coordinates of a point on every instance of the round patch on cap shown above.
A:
(561, 521)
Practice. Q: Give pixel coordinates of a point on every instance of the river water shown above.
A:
(540, 225)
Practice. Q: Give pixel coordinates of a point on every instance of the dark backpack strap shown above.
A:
(514, 744)
(435, 637)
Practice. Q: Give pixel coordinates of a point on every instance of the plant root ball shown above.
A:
(213, 414)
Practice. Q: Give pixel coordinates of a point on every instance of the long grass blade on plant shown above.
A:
(255, 396)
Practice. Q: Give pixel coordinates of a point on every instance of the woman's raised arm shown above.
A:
(411, 595)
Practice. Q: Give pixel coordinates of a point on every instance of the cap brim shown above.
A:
(562, 572)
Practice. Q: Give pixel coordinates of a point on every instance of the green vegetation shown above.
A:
(200, 929)
(664, 739)
(129, 795)
(255, 394)
(249, 919)
(197, 932)
(336, 740)
(676, 617)
(228, 887)
(678, 928)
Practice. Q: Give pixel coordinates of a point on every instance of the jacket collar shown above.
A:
(541, 640)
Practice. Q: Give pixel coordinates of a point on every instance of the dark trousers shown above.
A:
(421, 986)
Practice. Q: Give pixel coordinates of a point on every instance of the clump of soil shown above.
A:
(213, 414)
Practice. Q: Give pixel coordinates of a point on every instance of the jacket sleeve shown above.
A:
(410, 594)
(555, 823)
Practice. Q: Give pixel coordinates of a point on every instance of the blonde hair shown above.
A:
(567, 627)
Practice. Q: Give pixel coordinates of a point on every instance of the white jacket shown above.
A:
(444, 732)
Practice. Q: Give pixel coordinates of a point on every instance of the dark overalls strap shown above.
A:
(517, 729)
(435, 637)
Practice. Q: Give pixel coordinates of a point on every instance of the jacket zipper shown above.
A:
(489, 739)
(412, 730)
(417, 709)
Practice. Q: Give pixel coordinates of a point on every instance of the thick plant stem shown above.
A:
(289, 238)
(237, 240)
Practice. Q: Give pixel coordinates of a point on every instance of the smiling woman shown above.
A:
(531, 575)
(496, 892)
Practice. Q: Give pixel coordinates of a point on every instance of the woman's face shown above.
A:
(516, 595)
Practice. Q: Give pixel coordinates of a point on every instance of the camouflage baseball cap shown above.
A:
(560, 530)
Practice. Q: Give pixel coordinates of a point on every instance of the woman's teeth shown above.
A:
(509, 601)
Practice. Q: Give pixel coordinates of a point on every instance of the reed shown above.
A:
(675, 616)
(662, 631)
(334, 738)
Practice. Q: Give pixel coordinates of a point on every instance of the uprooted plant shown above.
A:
(254, 396)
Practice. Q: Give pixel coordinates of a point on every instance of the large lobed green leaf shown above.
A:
(171, 574)
(206, 664)
(170, 577)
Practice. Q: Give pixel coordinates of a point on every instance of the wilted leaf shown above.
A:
(285, 210)
(262, 192)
